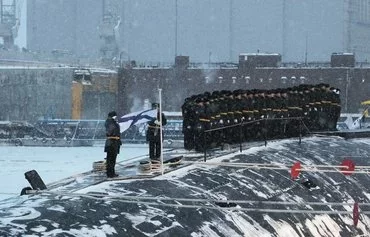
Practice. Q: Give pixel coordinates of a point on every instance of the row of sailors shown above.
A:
(263, 114)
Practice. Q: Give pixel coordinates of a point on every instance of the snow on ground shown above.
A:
(52, 163)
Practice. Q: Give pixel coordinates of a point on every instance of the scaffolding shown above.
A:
(109, 30)
(9, 23)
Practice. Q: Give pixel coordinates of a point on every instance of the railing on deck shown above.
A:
(243, 124)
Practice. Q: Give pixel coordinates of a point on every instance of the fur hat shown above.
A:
(155, 105)
(112, 114)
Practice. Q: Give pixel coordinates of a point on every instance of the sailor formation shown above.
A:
(214, 118)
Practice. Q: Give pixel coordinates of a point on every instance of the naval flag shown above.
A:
(135, 118)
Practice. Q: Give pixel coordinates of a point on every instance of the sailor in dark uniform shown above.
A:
(295, 106)
(213, 111)
(202, 123)
(284, 109)
(112, 143)
(270, 123)
(216, 121)
(188, 122)
(260, 107)
(324, 115)
(249, 114)
(223, 116)
(153, 134)
(336, 107)
(278, 113)
(235, 116)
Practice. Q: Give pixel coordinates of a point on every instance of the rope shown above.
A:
(204, 200)
(276, 167)
(263, 165)
(128, 199)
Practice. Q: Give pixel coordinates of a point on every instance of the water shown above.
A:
(52, 163)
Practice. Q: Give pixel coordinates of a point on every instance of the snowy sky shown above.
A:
(208, 30)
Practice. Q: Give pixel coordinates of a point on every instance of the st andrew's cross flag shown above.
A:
(136, 118)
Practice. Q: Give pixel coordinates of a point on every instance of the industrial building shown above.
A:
(254, 71)
(215, 31)
(31, 93)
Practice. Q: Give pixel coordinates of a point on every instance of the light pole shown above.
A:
(176, 16)
(284, 31)
(230, 30)
(160, 127)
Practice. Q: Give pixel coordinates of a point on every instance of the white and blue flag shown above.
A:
(136, 118)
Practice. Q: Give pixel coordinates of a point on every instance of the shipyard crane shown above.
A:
(109, 30)
(9, 21)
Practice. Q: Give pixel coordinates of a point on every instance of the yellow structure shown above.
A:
(76, 100)
(94, 92)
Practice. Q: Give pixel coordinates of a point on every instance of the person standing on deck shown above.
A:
(153, 134)
(112, 143)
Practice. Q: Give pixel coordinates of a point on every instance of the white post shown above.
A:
(160, 126)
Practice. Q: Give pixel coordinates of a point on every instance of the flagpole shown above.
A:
(160, 126)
